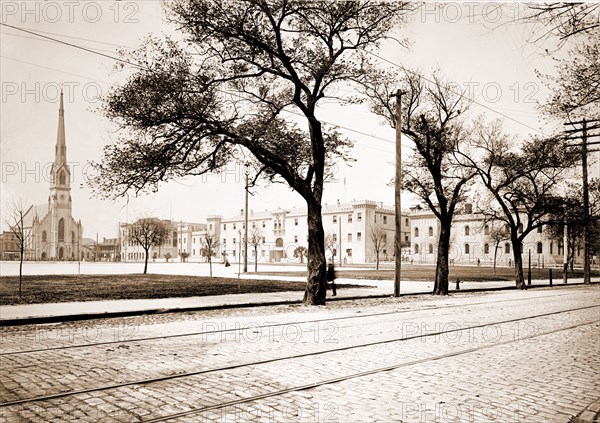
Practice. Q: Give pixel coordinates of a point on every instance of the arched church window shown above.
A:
(62, 179)
(61, 230)
(72, 237)
(44, 236)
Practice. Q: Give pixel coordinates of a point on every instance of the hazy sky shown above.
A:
(468, 45)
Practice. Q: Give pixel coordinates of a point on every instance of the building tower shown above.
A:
(58, 233)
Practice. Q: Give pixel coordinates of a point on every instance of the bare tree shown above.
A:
(571, 214)
(277, 56)
(300, 252)
(148, 232)
(432, 117)
(331, 244)
(379, 239)
(522, 185)
(575, 88)
(497, 235)
(561, 19)
(17, 210)
(210, 246)
(255, 240)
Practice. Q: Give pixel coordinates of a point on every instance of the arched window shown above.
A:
(61, 230)
(467, 230)
(520, 228)
(279, 242)
(416, 248)
(486, 248)
(416, 232)
(430, 231)
(539, 248)
(467, 248)
(61, 178)
(486, 230)
(430, 249)
(73, 241)
(44, 236)
(507, 248)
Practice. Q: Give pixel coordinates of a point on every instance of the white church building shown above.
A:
(55, 234)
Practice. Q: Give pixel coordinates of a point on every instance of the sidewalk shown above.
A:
(59, 312)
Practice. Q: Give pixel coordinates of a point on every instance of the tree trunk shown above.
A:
(146, 261)
(21, 274)
(316, 285)
(519, 279)
(377, 261)
(210, 265)
(440, 286)
(255, 260)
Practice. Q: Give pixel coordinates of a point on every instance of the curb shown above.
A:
(591, 414)
(130, 313)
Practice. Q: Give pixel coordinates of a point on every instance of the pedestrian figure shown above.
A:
(227, 263)
(478, 262)
(331, 278)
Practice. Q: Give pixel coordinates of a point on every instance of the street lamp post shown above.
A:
(239, 253)
(246, 219)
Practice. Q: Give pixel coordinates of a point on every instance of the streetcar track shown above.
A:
(210, 332)
(272, 360)
(353, 376)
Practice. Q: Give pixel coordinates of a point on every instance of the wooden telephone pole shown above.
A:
(580, 133)
(397, 196)
(246, 218)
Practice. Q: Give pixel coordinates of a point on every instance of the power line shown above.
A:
(38, 39)
(73, 45)
(457, 92)
(145, 68)
(54, 69)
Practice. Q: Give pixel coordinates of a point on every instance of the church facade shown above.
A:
(55, 234)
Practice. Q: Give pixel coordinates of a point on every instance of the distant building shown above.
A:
(281, 231)
(9, 246)
(55, 234)
(109, 249)
(471, 240)
(176, 242)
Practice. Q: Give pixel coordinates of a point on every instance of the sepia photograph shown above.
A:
(299, 211)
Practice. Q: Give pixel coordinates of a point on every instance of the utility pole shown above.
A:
(565, 252)
(580, 132)
(340, 236)
(397, 196)
(246, 220)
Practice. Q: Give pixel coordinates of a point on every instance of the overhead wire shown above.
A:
(145, 68)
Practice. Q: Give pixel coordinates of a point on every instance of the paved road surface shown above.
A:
(513, 356)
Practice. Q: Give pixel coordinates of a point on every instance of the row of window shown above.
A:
(486, 230)
(486, 248)
(61, 233)
(278, 225)
(350, 216)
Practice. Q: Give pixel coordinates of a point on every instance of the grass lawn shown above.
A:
(427, 273)
(64, 288)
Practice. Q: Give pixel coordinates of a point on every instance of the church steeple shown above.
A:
(60, 172)
(61, 144)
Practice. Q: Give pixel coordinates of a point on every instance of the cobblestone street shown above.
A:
(518, 356)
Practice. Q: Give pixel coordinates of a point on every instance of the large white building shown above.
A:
(279, 232)
(176, 242)
(471, 240)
